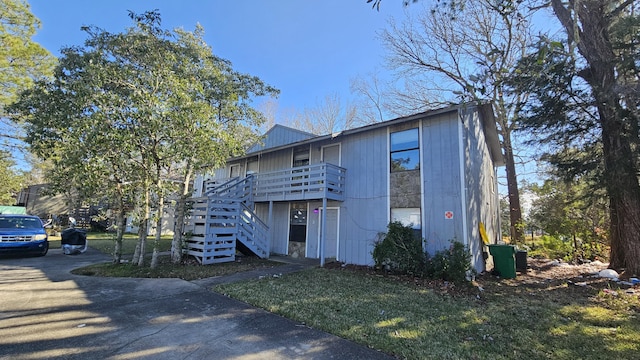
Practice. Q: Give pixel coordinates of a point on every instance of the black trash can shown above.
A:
(521, 260)
(73, 241)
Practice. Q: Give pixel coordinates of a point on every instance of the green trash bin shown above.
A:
(504, 260)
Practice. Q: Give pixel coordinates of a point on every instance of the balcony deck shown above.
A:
(311, 182)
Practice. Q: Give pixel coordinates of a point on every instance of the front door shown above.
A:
(331, 241)
(253, 166)
(235, 170)
(331, 154)
(298, 230)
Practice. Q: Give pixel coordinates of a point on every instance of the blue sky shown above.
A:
(307, 49)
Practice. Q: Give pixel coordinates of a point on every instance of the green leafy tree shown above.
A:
(129, 114)
(582, 105)
(572, 210)
(22, 61)
(10, 180)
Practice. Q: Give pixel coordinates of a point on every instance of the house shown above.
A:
(332, 196)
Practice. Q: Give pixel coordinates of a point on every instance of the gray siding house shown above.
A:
(331, 196)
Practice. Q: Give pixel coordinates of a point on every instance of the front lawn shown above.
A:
(507, 319)
(188, 270)
(105, 242)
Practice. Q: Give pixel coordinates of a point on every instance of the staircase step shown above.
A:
(216, 260)
(224, 219)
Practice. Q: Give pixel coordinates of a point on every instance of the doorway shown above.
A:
(333, 233)
(297, 230)
(331, 154)
(235, 170)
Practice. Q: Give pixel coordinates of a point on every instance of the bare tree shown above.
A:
(327, 117)
(370, 91)
(465, 58)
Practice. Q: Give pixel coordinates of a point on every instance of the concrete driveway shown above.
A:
(48, 313)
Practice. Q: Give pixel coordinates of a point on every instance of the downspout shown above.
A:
(423, 215)
(498, 233)
(388, 176)
(270, 232)
(463, 189)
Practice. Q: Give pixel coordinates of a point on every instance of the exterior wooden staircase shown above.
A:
(223, 221)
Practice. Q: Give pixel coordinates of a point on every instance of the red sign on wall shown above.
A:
(448, 215)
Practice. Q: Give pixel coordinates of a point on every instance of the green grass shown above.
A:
(503, 322)
(189, 270)
(105, 242)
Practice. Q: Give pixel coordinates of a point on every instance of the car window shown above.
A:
(20, 223)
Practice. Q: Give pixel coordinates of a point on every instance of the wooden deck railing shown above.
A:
(300, 183)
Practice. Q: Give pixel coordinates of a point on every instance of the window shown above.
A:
(301, 157)
(405, 150)
(298, 214)
(407, 216)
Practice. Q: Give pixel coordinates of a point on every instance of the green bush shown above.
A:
(551, 247)
(558, 247)
(451, 264)
(400, 250)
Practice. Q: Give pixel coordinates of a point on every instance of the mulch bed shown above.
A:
(573, 282)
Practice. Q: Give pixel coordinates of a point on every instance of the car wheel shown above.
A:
(45, 251)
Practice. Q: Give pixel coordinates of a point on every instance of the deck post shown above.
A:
(270, 232)
(323, 237)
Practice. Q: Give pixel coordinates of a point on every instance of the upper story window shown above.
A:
(301, 157)
(405, 150)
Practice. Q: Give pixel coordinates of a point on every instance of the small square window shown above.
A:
(405, 160)
(407, 216)
(404, 140)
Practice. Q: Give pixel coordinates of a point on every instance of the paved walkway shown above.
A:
(290, 265)
(48, 313)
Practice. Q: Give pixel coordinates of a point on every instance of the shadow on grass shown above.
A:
(189, 269)
(505, 321)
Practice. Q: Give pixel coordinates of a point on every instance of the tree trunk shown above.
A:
(143, 230)
(178, 235)
(159, 213)
(589, 30)
(120, 223)
(515, 210)
(575, 247)
(624, 198)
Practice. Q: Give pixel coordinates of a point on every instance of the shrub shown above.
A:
(451, 264)
(551, 247)
(400, 250)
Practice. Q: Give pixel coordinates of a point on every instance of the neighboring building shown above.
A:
(57, 208)
(34, 199)
(434, 170)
